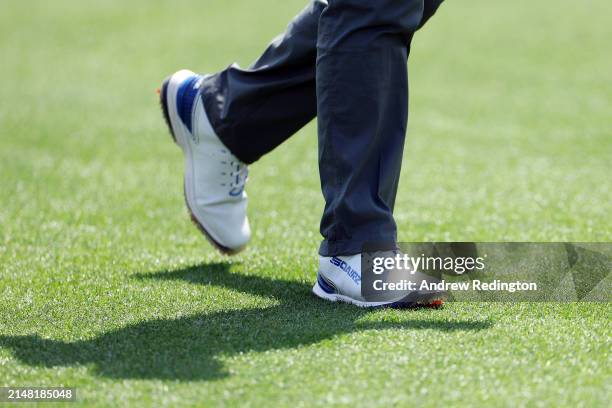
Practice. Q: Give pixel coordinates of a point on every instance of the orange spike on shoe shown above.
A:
(436, 304)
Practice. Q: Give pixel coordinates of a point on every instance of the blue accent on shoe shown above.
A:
(324, 285)
(185, 99)
(236, 191)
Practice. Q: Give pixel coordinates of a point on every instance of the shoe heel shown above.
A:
(163, 101)
(320, 293)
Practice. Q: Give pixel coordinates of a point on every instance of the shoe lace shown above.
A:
(237, 173)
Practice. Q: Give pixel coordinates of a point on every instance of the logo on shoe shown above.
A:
(352, 273)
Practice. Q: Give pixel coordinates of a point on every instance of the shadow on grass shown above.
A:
(187, 348)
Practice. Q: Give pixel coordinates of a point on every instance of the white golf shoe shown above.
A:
(339, 280)
(214, 178)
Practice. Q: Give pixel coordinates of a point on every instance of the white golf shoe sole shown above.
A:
(425, 299)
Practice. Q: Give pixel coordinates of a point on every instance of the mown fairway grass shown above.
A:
(106, 286)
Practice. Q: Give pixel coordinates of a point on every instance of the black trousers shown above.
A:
(344, 62)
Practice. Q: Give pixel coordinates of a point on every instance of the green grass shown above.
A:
(106, 286)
